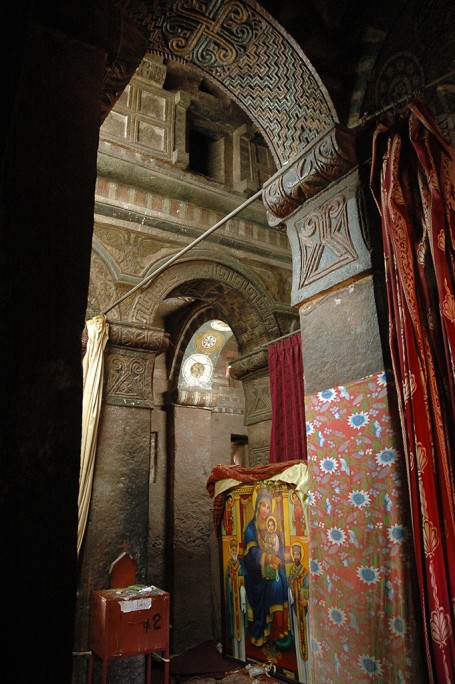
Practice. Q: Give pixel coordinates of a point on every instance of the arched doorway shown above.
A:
(173, 434)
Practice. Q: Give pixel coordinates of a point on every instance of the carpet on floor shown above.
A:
(204, 659)
(237, 677)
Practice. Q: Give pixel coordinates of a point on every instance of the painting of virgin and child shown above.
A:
(265, 571)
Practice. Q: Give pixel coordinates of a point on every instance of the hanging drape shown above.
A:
(93, 367)
(413, 182)
(288, 434)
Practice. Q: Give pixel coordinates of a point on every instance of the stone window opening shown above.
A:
(207, 154)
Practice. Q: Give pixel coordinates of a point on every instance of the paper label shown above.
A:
(138, 604)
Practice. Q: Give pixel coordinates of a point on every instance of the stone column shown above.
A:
(338, 293)
(180, 156)
(334, 286)
(321, 200)
(191, 514)
(252, 370)
(119, 510)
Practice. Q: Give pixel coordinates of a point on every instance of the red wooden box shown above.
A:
(126, 622)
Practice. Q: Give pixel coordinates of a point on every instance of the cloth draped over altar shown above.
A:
(223, 477)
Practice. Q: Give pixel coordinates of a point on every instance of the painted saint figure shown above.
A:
(298, 602)
(228, 519)
(298, 516)
(266, 596)
(237, 618)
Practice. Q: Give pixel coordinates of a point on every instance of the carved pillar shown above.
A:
(320, 198)
(119, 518)
(252, 370)
(130, 360)
(190, 512)
(334, 288)
(180, 155)
(338, 292)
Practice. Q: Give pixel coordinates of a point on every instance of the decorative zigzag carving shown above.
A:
(280, 93)
(241, 47)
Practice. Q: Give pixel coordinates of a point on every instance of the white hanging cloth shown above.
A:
(93, 373)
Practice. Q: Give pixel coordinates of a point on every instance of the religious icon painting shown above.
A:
(264, 551)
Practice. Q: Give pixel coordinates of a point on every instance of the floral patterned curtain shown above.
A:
(412, 179)
(363, 602)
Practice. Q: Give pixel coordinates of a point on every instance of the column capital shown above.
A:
(249, 363)
(127, 334)
(329, 238)
(324, 160)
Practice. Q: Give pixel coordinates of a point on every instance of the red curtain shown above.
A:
(288, 437)
(413, 182)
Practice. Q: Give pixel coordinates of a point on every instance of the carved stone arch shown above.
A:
(102, 283)
(234, 45)
(107, 258)
(245, 305)
(210, 254)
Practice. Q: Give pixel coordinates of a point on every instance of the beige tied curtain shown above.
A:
(93, 371)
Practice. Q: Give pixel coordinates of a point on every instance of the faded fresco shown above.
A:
(265, 570)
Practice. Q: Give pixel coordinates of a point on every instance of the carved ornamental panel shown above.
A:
(258, 403)
(210, 34)
(329, 239)
(149, 118)
(129, 378)
(130, 361)
(259, 455)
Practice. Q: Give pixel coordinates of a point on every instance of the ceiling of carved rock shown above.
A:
(295, 68)
(239, 47)
(298, 67)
